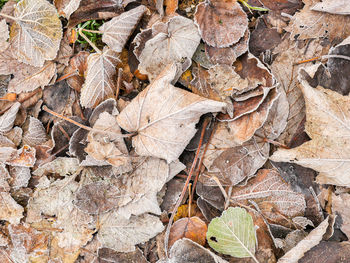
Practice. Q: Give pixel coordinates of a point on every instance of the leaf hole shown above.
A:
(213, 239)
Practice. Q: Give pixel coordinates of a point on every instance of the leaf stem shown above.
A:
(9, 17)
(91, 31)
(89, 41)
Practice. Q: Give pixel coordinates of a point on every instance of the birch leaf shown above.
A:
(99, 81)
(35, 135)
(4, 35)
(8, 118)
(328, 125)
(37, 32)
(164, 117)
(233, 233)
(117, 31)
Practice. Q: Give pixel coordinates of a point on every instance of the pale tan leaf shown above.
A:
(121, 234)
(4, 176)
(24, 157)
(66, 7)
(7, 153)
(36, 33)
(4, 35)
(171, 42)
(341, 206)
(62, 166)
(99, 80)
(116, 32)
(328, 125)
(274, 197)
(164, 117)
(9, 209)
(36, 134)
(8, 118)
(339, 7)
(20, 176)
(313, 239)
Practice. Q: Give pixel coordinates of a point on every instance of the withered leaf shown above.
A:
(9, 209)
(171, 42)
(340, 7)
(99, 81)
(107, 255)
(36, 134)
(24, 157)
(275, 198)
(8, 118)
(164, 117)
(36, 33)
(122, 234)
(340, 206)
(62, 166)
(66, 7)
(221, 23)
(4, 35)
(20, 176)
(117, 31)
(327, 124)
(77, 67)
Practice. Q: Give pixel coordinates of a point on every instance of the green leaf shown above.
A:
(233, 233)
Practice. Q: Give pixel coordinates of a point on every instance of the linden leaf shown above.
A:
(117, 31)
(164, 117)
(233, 233)
(37, 32)
(99, 83)
(328, 125)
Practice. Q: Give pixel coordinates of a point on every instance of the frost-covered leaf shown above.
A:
(8, 118)
(20, 176)
(4, 35)
(66, 7)
(117, 31)
(62, 166)
(221, 23)
(233, 233)
(164, 117)
(36, 33)
(77, 67)
(24, 157)
(171, 42)
(9, 209)
(339, 7)
(121, 234)
(36, 134)
(99, 80)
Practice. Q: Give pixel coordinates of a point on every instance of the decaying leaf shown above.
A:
(99, 81)
(327, 124)
(36, 33)
(164, 117)
(8, 118)
(340, 7)
(36, 134)
(171, 42)
(4, 35)
(221, 23)
(77, 67)
(9, 209)
(121, 234)
(117, 31)
(275, 198)
(66, 7)
(233, 233)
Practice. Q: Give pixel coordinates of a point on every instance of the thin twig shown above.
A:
(89, 41)
(91, 31)
(190, 200)
(119, 82)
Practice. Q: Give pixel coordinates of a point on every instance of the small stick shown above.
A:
(89, 41)
(119, 82)
(217, 181)
(190, 200)
(306, 61)
(91, 31)
(68, 75)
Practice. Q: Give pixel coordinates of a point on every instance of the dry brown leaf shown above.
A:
(312, 24)
(121, 234)
(99, 80)
(36, 134)
(4, 35)
(8, 118)
(274, 197)
(313, 239)
(341, 206)
(339, 7)
(190, 227)
(221, 23)
(171, 42)
(327, 124)
(164, 117)
(77, 67)
(24, 157)
(66, 7)
(116, 32)
(9, 209)
(36, 33)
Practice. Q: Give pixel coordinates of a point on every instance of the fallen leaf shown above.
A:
(107, 255)
(275, 198)
(77, 66)
(185, 250)
(327, 125)
(339, 7)
(162, 107)
(340, 206)
(61, 166)
(35, 44)
(183, 212)
(116, 32)
(4, 35)
(9, 209)
(8, 118)
(4, 176)
(221, 23)
(36, 134)
(66, 7)
(331, 252)
(99, 81)
(233, 233)
(171, 42)
(121, 234)
(20, 176)
(24, 157)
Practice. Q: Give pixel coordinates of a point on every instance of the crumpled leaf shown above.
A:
(9, 209)
(233, 233)
(339, 7)
(164, 117)
(171, 42)
(327, 121)
(36, 33)
(275, 198)
(36, 134)
(66, 7)
(121, 234)
(221, 23)
(8, 118)
(24, 157)
(117, 31)
(99, 83)
(4, 35)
